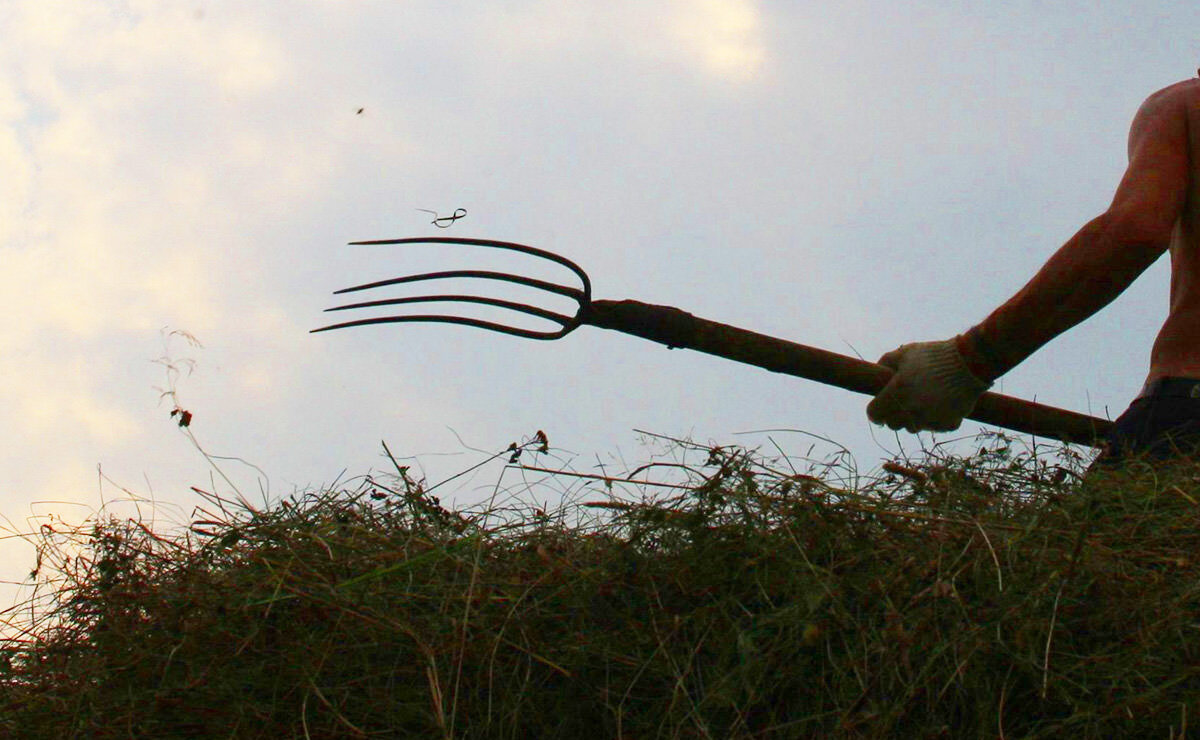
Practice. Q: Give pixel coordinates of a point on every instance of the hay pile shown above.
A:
(991, 596)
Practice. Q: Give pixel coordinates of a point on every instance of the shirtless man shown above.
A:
(1156, 207)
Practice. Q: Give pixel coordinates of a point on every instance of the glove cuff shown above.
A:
(947, 364)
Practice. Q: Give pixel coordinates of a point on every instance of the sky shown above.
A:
(180, 181)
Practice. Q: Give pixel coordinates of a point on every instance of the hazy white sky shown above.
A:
(848, 175)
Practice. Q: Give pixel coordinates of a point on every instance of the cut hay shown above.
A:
(992, 596)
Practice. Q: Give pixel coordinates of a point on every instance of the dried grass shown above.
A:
(991, 596)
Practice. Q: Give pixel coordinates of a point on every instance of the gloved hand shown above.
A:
(932, 388)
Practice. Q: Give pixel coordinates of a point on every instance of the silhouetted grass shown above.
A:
(993, 596)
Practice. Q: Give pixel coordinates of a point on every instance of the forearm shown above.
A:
(1082, 277)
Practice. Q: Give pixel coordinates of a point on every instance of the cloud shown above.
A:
(720, 39)
(723, 36)
(139, 146)
(62, 397)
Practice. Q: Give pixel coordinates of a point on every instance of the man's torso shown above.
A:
(1176, 351)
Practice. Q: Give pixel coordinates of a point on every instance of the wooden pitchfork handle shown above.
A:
(675, 328)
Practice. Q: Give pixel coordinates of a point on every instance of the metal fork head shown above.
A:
(581, 295)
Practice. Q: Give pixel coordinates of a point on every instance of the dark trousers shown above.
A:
(1161, 424)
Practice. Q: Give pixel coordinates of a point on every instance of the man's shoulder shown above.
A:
(1180, 100)
(1188, 90)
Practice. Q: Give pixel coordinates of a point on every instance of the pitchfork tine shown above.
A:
(521, 307)
(575, 293)
(463, 320)
(511, 246)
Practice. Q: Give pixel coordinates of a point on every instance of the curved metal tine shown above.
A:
(561, 320)
(493, 244)
(573, 293)
(477, 323)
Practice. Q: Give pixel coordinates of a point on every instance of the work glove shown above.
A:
(932, 389)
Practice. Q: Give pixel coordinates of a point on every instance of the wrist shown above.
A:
(977, 356)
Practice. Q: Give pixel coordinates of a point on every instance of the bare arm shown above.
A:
(1107, 254)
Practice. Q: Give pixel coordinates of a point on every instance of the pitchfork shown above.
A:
(676, 328)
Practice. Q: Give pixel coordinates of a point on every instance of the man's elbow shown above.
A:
(1140, 228)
